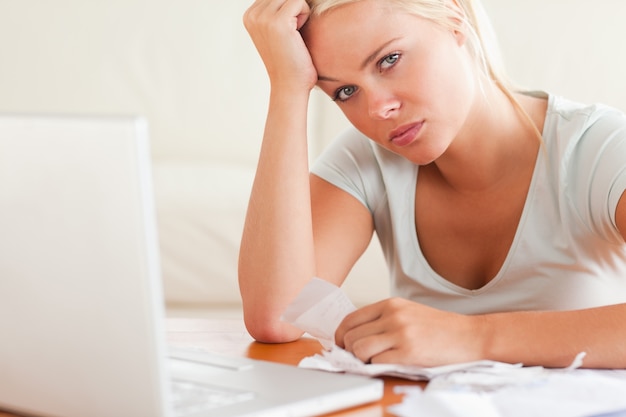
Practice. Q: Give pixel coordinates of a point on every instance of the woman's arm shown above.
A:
(402, 331)
(553, 339)
(287, 207)
(276, 254)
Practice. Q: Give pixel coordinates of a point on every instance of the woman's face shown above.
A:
(403, 81)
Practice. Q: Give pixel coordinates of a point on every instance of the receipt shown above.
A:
(318, 310)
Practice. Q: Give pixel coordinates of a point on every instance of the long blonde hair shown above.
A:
(472, 19)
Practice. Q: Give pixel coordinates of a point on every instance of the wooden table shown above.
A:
(229, 337)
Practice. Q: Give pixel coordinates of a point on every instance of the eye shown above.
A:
(389, 61)
(344, 93)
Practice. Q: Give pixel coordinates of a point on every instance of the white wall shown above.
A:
(573, 48)
(187, 65)
(190, 68)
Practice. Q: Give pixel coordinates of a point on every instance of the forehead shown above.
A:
(345, 21)
(349, 33)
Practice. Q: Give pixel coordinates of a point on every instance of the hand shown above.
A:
(274, 28)
(404, 332)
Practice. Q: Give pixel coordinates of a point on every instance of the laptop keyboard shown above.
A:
(190, 398)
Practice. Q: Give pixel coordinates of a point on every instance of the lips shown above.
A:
(405, 134)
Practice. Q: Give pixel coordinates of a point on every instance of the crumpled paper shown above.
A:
(472, 389)
(556, 393)
(321, 306)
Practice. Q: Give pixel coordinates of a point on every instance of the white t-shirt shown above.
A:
(567, 252)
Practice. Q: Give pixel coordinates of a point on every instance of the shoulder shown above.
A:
(359, 166)
(584, 134)
(571, 120)
(349, 163)
(353, 149)
(587, 149)
(349, 152)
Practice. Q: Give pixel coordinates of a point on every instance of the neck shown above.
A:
(495, 146)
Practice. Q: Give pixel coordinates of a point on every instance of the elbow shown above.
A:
(267, 330)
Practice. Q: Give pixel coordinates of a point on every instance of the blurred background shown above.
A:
(189, 67)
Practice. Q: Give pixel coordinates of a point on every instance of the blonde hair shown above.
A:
(472, 19)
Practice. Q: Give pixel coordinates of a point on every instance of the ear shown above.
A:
(460, 36)
(459, 20)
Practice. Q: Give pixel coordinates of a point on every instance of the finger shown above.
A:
(301, 20)
(273, 28)
(370, 347)
(261, 7)
(271, 10)
(379, 342)
(356, 319)
(392, 355)
(298, 9)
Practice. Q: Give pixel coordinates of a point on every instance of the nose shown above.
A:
(382, 105)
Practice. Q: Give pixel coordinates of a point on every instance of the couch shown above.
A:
(190, 68)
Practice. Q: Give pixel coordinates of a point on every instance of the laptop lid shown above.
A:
(78, 264)
(81, 307)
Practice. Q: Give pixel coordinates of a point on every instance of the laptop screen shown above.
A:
(78, 261)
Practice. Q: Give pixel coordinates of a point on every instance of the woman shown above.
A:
(501, 214)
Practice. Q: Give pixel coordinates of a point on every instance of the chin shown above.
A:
(423, 156)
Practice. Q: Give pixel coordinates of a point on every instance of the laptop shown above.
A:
(81, 303)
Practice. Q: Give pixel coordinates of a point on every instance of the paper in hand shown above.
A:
(318, 310)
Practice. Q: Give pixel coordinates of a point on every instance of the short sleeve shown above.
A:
(350, 164)
(598, 171)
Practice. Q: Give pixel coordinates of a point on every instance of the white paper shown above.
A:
(557, 393)
(320, 308)
(443, 404)
(339, 360)
(473, 389)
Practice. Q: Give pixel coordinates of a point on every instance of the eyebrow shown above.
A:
(366, 61)
(374, 54)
